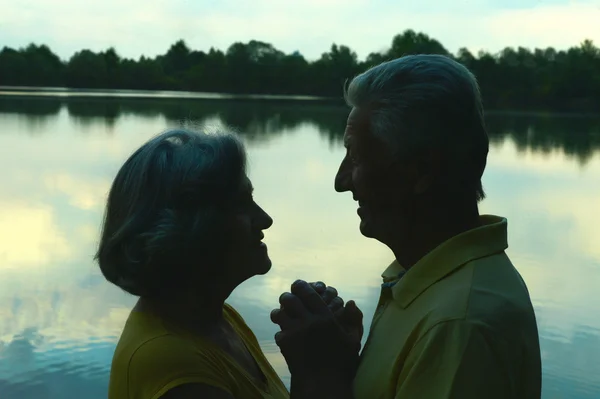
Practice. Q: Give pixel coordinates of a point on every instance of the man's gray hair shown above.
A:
(421, 102)
(165, 209)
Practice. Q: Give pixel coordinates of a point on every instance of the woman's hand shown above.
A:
(313, 329)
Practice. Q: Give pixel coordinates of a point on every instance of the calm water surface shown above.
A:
(59, 319)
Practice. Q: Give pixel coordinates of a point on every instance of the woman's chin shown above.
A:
(264, 266)
(258, 263)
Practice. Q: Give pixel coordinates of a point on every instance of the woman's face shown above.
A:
(246, 253)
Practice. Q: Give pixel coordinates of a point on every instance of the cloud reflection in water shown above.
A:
(61, 320)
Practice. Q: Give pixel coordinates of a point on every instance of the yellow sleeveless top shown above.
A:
(152, 358)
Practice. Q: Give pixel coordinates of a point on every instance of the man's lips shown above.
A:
(259, 241)
(361, 209)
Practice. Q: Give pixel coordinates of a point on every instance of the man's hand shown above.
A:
(312, 329)
(329, 295)
(349, 316)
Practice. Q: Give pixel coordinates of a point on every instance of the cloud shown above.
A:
(550, 202)
(55, 186)
(558, 25)
(149, 28)
(29, 238)
(82, 194)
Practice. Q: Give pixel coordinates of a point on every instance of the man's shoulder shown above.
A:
(487, 290)
(497, 285)
(480, 285)
(499, 296)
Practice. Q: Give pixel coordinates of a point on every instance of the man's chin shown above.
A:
(366, 229)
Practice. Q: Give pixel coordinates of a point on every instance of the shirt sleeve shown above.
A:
(457, 359)
(166, 362)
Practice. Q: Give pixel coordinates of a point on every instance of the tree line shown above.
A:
(565, 80)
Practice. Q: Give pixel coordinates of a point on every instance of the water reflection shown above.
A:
(577, 136)
(60, 320)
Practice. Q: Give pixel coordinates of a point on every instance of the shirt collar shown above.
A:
(392, 272)
(482, 241)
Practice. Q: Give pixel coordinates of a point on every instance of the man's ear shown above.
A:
(426, 170)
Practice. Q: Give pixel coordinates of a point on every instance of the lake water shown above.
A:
(60, 320)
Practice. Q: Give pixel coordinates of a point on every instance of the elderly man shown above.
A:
(454, 318)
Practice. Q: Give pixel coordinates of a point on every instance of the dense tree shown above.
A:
(518, 78)
(87, 69)
(411, 42)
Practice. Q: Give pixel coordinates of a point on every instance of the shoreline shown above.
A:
(65, 93)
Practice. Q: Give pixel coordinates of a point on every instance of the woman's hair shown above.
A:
(165, 210)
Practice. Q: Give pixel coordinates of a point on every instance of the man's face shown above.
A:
(383, 188)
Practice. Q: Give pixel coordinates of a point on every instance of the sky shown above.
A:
(149, 27)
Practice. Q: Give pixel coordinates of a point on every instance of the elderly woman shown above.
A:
(182, 231)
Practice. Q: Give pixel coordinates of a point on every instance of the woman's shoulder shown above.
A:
(173, 351)
(145, 336)
(238, 323)
(159, 360)
(231, 314)
(277, 387)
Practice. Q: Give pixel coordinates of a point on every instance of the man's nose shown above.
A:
(343, 180)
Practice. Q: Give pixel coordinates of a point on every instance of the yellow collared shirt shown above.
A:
(458, 324)
(153, 357)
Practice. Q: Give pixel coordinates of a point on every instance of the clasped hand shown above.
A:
(315, 324)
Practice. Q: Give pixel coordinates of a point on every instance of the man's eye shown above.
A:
(245, 201)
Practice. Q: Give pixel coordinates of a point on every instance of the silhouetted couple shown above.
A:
(454, 318)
